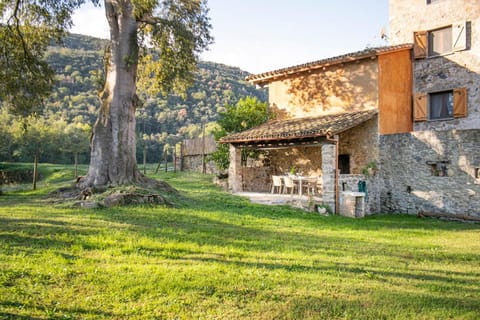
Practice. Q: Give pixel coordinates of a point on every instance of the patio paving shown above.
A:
(294, 200)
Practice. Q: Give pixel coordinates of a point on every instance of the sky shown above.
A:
(264, 35)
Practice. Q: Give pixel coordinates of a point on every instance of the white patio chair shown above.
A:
(277, 183)
(310, 185)
(288, 183)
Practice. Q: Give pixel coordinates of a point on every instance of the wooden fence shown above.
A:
(194, 155)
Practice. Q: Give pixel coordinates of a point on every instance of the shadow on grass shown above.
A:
(51, 312)
(378, 306)
(255, 236)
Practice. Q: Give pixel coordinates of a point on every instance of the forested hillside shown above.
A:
(78, 62)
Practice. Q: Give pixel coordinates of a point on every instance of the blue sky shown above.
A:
(264, 35)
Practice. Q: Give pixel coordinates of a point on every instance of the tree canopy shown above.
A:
(246, 114)
(26, 29)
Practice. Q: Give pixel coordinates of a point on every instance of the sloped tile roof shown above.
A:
(299, 128)
(262, 78)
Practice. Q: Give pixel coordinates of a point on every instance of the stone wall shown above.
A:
(194, 163)
(440, 74)
(306, 160)
(256, 179)
(408, 16)
(459, 69)
(431, 171)
(328, 176)
(234, 170)
(361, 144)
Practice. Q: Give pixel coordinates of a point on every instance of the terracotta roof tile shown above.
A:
(263, 78)
(299, 128)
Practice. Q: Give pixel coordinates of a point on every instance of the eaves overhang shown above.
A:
(262, 79)
(301, 128)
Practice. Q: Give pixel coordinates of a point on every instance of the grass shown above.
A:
(217, 256)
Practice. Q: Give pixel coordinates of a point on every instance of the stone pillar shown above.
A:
(328, 174)
(235, 169)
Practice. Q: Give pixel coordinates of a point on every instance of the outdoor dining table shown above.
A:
(300, 180)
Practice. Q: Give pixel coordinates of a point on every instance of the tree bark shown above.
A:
(113, 152)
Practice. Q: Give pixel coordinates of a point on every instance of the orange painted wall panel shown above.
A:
(395, 92)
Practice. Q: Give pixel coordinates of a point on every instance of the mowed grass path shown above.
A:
(217, 256)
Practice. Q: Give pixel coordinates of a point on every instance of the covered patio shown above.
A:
(321, 147)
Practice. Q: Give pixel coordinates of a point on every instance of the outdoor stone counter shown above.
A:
(349, 182)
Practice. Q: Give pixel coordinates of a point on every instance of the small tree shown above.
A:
(76, 140)
(6, 137)
(246, 114)
(34, 135)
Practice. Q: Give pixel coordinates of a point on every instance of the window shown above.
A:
(344, 163)
(444, 105)
(436, 42)
(440, 105)
(439, 41)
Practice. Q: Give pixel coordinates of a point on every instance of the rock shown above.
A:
(114, 199)
(89, 205)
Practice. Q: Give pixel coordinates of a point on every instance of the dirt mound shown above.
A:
(152, 192)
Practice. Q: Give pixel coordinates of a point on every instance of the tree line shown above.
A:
(61, 133)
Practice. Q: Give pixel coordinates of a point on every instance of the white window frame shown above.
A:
(422, 40)
(442, 32)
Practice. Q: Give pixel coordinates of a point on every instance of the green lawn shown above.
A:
(216, 256)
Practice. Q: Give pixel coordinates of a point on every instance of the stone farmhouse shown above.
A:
(411, 108)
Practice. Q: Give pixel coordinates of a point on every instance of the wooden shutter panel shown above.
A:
(420, 44)
(459, 36)
(460, 103)
(420, 107)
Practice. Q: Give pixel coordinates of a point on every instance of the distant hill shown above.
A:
(78, 62)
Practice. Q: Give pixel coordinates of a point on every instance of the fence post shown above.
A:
(165, 157)
(174, 158)
(181, 156)
(204, 165)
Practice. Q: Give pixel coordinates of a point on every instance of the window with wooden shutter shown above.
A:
(460, 102)
(420, 44)
(420, 107)
(439, 41)
(440, 105)
(459, 36)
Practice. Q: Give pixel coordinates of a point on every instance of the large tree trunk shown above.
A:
(113, 152)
